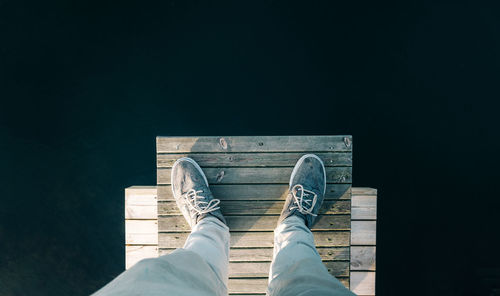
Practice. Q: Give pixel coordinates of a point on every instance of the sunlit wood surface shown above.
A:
(142, 240)
(250, 175)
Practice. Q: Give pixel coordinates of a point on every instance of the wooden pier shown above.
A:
(250, 176)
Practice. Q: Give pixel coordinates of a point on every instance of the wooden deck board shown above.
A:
(258, 175)
(259, 159)
(266, 254)
(254, 144)
(259, 208)
(256, 223)
(259, 192)
(260, 239)
(140, 245)
(250, 176)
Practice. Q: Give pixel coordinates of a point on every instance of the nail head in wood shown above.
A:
(223, 143)
(347, 142)
(220, 176)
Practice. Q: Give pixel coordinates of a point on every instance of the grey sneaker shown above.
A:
(191, 192)
(306, 191)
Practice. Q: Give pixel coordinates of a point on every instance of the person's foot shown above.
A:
(191, 192)
(306, 191)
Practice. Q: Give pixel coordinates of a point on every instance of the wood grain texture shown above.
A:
(217, 160)
(134, 254)
(364, 207)
(256, 223)
(268, 175)
(140, 191)
(141, 212)
(362, 261)
(250, 176)
(254, 144)
(141, 239)
(261, 269)
(140, 196)
(364, 191)
(256, 239)
(363, 283)
(252, 294)
(258, 285)
(140, 202)
(363, 258)
(259, 192)
(243, 207)
(141, 232)
(363, 233)
(266, 254)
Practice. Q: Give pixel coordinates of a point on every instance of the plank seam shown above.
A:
(211, 184)
(244, 231)
(258, 152)
(250, 215)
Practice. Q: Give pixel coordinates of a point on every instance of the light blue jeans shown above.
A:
(201, 266)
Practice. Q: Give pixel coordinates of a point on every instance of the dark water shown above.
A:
(85, 86)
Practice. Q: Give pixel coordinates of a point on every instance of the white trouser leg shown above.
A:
(210, 239)
(297, 268)
(200, 268)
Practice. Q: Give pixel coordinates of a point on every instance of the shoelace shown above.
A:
(305, 205)
(197, 203)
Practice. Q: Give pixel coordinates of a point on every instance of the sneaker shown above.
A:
(191, 192)
(306, 191)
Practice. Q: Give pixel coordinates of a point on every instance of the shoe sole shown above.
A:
(197, 166)
(299, 163)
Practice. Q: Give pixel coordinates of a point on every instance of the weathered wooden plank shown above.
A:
(134, 254)
(141, 239)
(141, 232)
(363, 283)
(140, 196)
(337, 268)
(364, 207)
(141, 226)
(241, 255)
(248, 285)
(252, 294)
(233, 167)
(258, 285)
(363, 233)
(141, 212)
(140, 202)
(259, 192)
(142, 191)
(363, 258)
(244, 207)
(266, 254)
(360, 260)
(252, 159)
(269, 175)
(334, 253)
(364, 191)
(257, 239)
(261, 269)
(254, 144)
(255, 223)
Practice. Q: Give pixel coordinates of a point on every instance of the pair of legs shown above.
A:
(201, 266)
